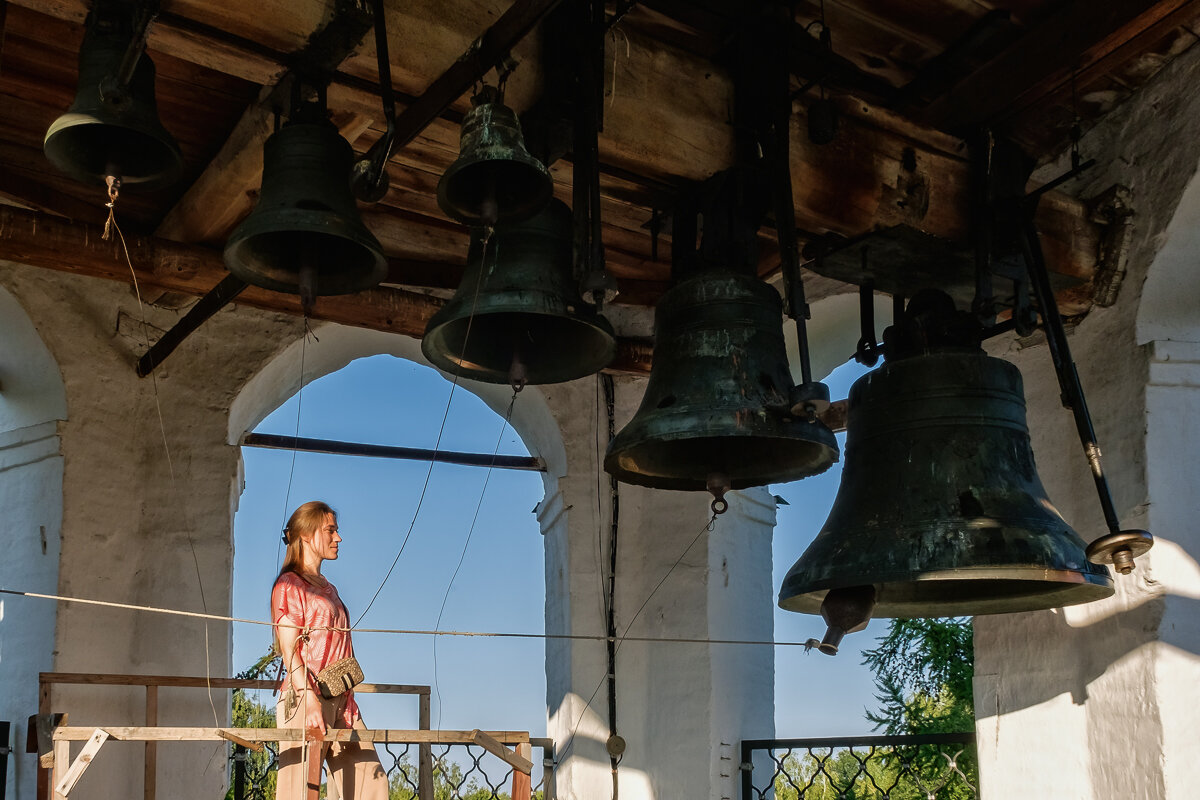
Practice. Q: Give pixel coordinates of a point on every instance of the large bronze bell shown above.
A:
(110, 129)
(716, 413)
(495, 180)
(305, 235)
(940, 510)
(517, 316)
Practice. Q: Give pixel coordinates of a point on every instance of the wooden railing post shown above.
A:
(424, 752)
(150, 771)
(43, 774)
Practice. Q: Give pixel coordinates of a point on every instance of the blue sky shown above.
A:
(482, 682)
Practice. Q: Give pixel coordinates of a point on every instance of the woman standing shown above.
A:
(311, 633)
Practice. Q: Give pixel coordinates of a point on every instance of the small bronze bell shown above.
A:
(495, 180)
(111, 129)
(717, 413)
(940, 510)
(517, 316)
(305, 235)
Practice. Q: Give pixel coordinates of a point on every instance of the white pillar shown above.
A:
(682, 708)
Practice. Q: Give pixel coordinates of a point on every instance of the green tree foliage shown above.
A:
(247, 712)
(923, 672)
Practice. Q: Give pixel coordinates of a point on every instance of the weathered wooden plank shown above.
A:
(1076, 35)
(67, 782)
(514, 760)
(130, 733)
(87, 678)
(666, 120)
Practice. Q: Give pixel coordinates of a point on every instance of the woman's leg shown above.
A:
(291, 782)
(356, 771)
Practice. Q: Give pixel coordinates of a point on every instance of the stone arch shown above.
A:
(33, 401)
(338, 345)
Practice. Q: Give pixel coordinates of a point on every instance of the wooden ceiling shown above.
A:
(909, 77)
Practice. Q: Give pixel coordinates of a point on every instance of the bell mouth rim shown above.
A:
(71, 122)
(1062, 587)
(595, 328)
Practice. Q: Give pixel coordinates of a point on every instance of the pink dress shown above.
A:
(295, 601)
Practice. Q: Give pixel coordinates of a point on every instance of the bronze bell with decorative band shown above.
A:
(517, 316)
(495, 180)
(305, 235)
(940, 511)
(717, 412)
(113, 129)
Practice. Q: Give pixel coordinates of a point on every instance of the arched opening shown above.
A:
(32, 403)
(472, 560)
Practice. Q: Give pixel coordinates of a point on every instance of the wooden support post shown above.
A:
(43, 771)
(62, 758)
(150, 769)
(522, 783)
(314, 751)
(68, 779)
(424, 753)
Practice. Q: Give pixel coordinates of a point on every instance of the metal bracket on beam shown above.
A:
(230, 287)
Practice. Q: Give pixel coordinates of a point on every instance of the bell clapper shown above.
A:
(308, 285)
(845, 610)
(718, 484)
(113, 181)
(517, 377)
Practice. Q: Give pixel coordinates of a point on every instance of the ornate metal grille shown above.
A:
(925, 767)
(460, 772)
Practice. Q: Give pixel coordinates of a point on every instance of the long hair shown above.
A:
(306, 519)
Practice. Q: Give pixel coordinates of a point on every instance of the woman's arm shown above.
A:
(291, 643)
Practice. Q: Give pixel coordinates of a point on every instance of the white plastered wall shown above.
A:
(32, 404)
(126, 522)
(1099, 702)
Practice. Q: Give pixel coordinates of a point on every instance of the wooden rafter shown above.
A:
(39, 240)
(1080, 36)
(666, 119)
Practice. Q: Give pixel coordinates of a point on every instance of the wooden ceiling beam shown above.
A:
(1080, 34)
(39, 240)
(666, 114)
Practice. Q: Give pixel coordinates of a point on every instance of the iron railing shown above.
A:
(460, 772)
(922, 767)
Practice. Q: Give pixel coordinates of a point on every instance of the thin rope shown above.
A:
(395, 631)
(287, 497)
(708, 526)
(463, 555)
(487, 237)
(110, 225)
